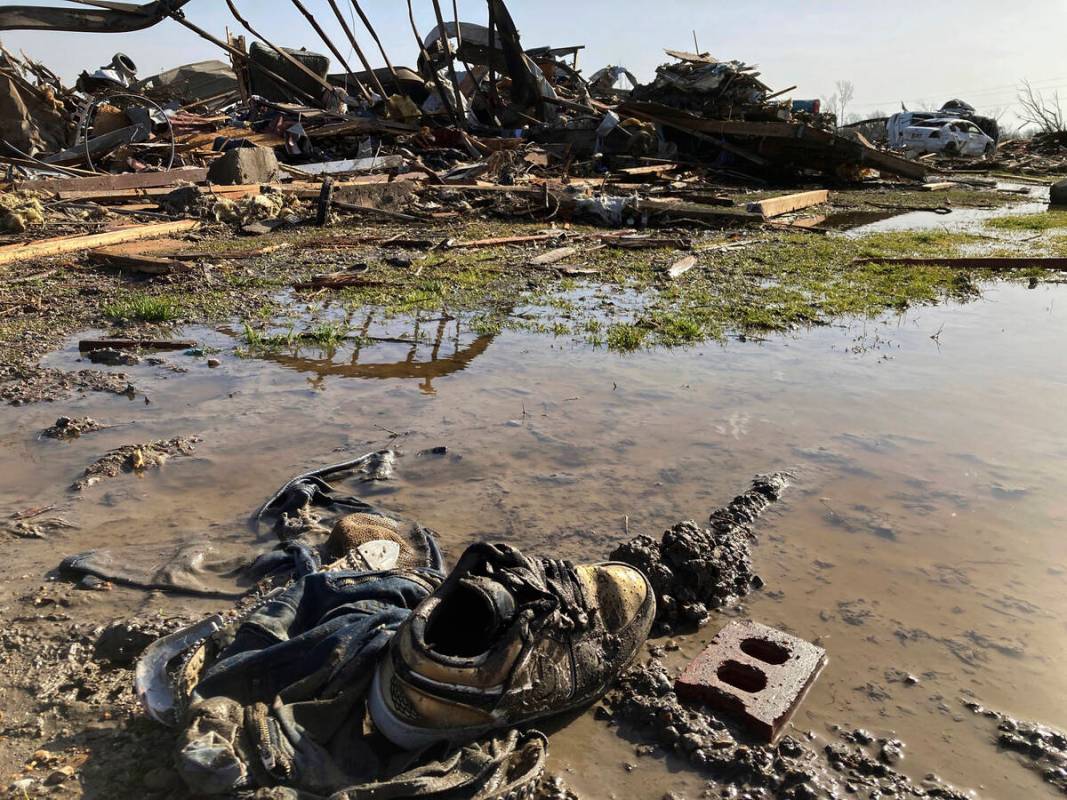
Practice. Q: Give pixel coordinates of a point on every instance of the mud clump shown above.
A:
(71, 428)
(135, 458)
(1038, 747)
(47, 385)
(694, 569)
(645, 701)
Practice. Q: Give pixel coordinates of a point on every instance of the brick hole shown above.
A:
(765, 651)
(743, 677)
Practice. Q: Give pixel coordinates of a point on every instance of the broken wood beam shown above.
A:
(553, 256)
(777, 206)
(120, 258)
(46, 248)
(505, 240)
(133, 180)
(944, 186)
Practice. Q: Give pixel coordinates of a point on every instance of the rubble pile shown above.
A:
(476, 113)
(1044, 154)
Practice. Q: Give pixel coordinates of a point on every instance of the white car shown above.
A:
(954, 137)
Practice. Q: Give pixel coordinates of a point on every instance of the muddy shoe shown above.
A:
(508, 639)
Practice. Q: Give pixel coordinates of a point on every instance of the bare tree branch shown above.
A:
(1046, 114)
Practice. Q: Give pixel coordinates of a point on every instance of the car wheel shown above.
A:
(990, 150)
(952, 149)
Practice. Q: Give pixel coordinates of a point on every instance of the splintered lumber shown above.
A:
(653, 169)
(681, 266)
(46, 248)
(680, 208)
(89, 345)
(938, 187)
(553, 256)
(125, 195)
(337, 280)
(120, 258)
(133, 180)
(992, 262)
(504, 240)
(777, 206)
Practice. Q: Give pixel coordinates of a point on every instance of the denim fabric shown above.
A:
(291, 686)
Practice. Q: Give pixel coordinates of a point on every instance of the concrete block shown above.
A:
(243, 166)
(754, 673)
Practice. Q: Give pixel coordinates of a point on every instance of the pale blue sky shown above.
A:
(908, 50)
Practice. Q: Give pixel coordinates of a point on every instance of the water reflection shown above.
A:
(446, 350)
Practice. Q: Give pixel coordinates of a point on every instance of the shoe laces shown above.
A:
(558, 599)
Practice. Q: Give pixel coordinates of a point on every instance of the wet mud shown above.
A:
(694, 570)
(920, 542)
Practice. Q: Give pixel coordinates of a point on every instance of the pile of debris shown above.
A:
(478, 113)
(1044, 154)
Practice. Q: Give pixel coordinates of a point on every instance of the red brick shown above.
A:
(754, 673)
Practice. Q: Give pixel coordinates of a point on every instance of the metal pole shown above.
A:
(333, 49)
(426, 57)
(443, 35)
(494, 95)
(233, 51)
(378, 41)
(359, 50)
(329, 87)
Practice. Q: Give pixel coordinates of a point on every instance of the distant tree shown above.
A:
(829, 105)
(1044, 113)
(846, 90)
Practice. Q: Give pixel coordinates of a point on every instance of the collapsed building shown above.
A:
(475, 99)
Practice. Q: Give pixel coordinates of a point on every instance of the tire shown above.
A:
(952, 149)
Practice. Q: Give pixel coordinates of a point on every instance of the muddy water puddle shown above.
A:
(923, 536)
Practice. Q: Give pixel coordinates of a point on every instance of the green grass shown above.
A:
(145, 308)
(1046, 221)
(626, 337)
(327, 334)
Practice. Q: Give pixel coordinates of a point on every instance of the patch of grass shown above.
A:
(327, 334)
(1045, 221)
(624, 337)
(145, 308)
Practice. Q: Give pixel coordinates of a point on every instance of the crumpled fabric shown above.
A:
(282, 708)
(285, 700)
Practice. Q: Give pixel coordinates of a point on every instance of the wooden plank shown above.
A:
(1021, 262)
(124, 195)
(13, 253)
(125, 257)
(652, 169)
(776, 206)
(695, 210)
(553, 256)
(132, 180)
(681, 266)
(938, 187)
(504, 240)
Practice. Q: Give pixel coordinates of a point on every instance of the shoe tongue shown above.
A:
(499, 602)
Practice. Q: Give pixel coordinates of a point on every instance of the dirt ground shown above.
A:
(579, 402)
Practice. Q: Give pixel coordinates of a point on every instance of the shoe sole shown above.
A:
(412, 737)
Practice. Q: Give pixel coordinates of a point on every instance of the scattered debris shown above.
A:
(135, 458)
(71, 428)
